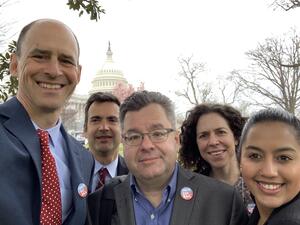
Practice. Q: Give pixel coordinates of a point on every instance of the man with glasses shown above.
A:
(158, 190)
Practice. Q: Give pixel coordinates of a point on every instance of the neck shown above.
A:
(228, 174)
(106, 158)
(153, 188)
(44, 119)
(264, 214)
(153, 191)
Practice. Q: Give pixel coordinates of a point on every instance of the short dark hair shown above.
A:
(99, 97)
(189, 155)
(141, 99)
(25, 30)
(270, 115)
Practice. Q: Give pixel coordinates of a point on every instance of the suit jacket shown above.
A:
(288, 214)
(213, 203)
(121, 167)
(20, 166)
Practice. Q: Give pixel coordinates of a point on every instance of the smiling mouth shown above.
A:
(269, 186)
(50, 86)
(148, 159)
(216, 153)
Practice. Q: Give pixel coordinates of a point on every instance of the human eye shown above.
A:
(254, 156)
(113, 119)
(39, 56)
(67, 61)
(95, 119)
(202, 136)
(133, 137)
(221, 132)
(158, 133)
(283, 158)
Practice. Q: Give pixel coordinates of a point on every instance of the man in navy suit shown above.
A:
(103, 131)
(46, 64)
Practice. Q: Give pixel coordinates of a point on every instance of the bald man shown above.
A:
(46, 64)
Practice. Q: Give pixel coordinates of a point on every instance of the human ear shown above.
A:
(13, 66)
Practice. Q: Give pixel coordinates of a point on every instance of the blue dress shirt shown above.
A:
(145, 213)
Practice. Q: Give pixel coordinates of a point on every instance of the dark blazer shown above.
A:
(213, 203)
(288, 214)
(20, 166)
(121, 167)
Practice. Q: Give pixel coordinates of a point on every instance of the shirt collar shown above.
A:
(171, 187)
(53, 132)
(112, 167)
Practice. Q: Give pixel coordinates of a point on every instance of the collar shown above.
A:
(170, 188)
(112, 167)
(53, 132)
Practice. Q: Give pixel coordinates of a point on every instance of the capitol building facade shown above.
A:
(104, 80)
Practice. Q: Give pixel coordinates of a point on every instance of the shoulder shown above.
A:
(287, 214)
(204, 181)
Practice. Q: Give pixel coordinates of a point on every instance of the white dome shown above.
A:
(108, 76)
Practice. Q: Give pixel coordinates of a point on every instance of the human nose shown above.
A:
(213, 139)
(146, 142)
(268, 168)
(103, 126)
(54, 68)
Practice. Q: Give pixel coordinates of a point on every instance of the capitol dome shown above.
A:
(108, 76)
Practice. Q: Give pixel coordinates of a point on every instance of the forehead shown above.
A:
(211, 121)
(146, 118)
(104, 108)
(273, 134)
(52, 36)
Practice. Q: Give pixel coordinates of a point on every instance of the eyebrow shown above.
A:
(40, 51)
(152, 127)
(277, 150)
(219, 128)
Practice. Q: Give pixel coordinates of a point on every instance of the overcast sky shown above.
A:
(147, 37)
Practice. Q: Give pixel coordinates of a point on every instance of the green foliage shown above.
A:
(91, 7)
(8, 84)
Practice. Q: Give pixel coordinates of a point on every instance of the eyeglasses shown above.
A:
(156, 136)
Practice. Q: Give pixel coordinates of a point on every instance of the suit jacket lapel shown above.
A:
(121, 167)
(75, 165)
(183, 180)
(124, 203)
(20, 125)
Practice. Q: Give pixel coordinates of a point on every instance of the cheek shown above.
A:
(248, 170)
(201, 146)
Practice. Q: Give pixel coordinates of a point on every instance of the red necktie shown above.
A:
(51, 200)
(103, 172)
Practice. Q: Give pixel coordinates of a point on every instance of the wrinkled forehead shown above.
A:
(51, 35)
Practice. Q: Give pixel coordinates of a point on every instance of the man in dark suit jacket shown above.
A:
(157, 188)
(103, 131)
(47, 67)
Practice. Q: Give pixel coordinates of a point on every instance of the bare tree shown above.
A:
(194, 91)
(286, 4)
(273, 78)
(229, 90)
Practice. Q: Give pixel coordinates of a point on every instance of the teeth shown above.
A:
(216, 153)
(270, 186)
(50, 86)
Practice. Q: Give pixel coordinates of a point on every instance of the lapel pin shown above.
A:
(186, 193)
(82, 190)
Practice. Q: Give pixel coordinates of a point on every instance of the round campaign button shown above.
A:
(186, 193)
(82, 190)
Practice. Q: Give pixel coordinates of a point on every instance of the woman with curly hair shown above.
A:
(209, 138)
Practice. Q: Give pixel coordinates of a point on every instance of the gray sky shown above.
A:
(147, 37)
